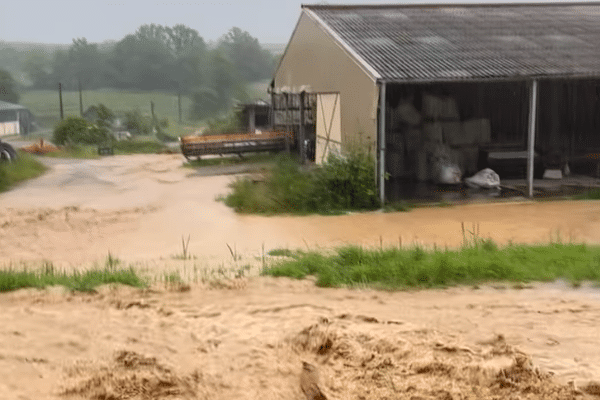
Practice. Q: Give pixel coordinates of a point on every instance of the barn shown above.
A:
(513, 87)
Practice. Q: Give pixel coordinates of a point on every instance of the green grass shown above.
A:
(75, 151)
(44, 104)
(26, 167)
(593, 194)
(139, 146)
(283, 253)
(479, 262)
(13, 279)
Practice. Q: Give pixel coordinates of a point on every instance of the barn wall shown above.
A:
(315, 62)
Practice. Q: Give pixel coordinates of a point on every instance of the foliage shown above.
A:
(137, 123)
(342, 183)
(229, 123)
(400, 268)
(154, 57)
(13, 279)
(8, 91)
(77, 130)
(104, 116)
(73, 150)
(348, 181)
(24, 168)
(252, 62)
(593, 194)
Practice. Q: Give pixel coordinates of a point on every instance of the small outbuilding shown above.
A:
(515, 87)
(14, 119)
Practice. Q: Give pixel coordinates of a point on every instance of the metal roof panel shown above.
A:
(457, 42)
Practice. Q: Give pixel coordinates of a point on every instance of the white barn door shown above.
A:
(329, 126)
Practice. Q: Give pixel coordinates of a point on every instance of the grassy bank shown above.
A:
(481, 262)
(13, 279)
(26, 167)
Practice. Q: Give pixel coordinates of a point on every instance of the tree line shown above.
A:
(157, 57)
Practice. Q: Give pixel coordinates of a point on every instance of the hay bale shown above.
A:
(433, 132)
(453, 133)
(477, 131)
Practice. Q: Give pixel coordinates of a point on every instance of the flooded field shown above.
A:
(248, 338)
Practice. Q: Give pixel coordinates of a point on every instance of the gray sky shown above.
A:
(59, 21)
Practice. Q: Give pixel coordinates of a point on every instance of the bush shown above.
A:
(342, 183)
(79, 131)
(348, 182)
(137, 123)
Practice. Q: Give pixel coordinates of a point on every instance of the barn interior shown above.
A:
(485, 125)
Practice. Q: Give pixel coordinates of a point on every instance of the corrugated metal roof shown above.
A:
(407, 43)
(5, 106)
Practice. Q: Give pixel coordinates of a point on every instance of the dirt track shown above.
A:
(247, 338)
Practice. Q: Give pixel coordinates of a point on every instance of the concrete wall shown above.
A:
(315, 62)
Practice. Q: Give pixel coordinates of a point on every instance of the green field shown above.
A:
(44, 104)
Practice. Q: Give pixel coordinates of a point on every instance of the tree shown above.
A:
(143, 62)
(247, 56)
(38, 67)
(8, 90)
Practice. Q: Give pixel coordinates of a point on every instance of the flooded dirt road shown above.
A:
(140, 207)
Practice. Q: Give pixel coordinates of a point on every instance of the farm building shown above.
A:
(14, 119)
(513, 87)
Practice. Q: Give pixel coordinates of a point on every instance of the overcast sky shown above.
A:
(59, 21)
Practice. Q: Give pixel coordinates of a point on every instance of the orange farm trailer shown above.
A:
(236, 143)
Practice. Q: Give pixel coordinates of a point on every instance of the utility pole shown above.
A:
(179, 105)
(62, 115)
(80, 98)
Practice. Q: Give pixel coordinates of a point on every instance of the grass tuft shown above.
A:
(87, 281)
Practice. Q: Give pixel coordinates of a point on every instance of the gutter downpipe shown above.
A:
(381, 174)
(531, 136)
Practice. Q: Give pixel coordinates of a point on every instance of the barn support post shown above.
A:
(301, 133)
(531, 135)
(381, 172)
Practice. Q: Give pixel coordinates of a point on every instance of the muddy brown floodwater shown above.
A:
(247, 338)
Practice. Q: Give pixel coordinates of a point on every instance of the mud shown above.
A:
(239, 337)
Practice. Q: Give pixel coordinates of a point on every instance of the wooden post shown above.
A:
(531, 136)
(80, 98)
(252, 118)
(301, 135)
(382, 107)
(62, 114)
